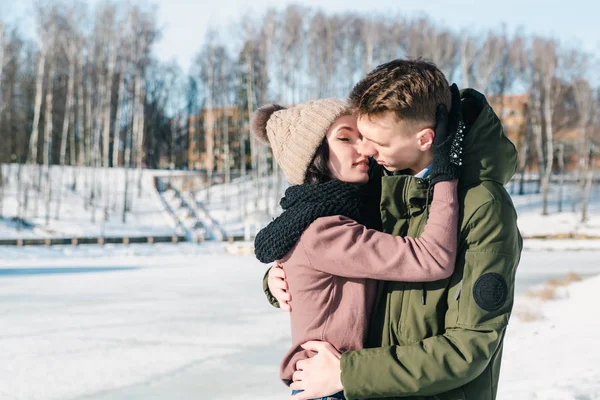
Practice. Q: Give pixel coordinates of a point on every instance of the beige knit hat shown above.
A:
(296, 133)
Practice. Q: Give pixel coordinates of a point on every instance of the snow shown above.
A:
(243, 200)
(71, 335)
(167, 321)
(182, 321)
(556, 357)
(532, 223)
(232, 205)
(147, 218)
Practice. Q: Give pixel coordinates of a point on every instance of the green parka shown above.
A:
(443, 340)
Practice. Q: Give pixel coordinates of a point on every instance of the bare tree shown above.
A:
(68, 41)
(33, 140)
(546, 64)
(492, 52)
(3, 56)
(469, 52)
(591, 160)
(524, 148)
(48, 133)
(111, 39)
(588, 184)
(433, 43)
(369, 34)
(561, 169)
(585, 102)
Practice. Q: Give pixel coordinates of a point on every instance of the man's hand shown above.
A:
(320, 375)
(278, 286)
(447, 144)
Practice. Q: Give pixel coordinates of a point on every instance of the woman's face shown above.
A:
(345, 162)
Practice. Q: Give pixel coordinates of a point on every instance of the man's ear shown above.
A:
(425, 139)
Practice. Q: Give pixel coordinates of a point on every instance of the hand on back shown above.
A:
(278, 286)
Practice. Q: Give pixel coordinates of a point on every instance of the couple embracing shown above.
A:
(398, 245)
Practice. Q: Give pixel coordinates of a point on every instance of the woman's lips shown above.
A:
(362, 165)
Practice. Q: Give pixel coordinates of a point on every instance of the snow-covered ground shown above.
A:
(232, 204)
(147, 217)
(186, 321)
(531, 223)
(556, 356)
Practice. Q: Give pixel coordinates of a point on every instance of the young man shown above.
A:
(440, 340)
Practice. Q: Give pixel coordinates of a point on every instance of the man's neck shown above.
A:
(421, 165)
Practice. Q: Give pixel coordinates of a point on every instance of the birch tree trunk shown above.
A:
(33, 141)
(48, 128)
(80, 120)
(524, 153)
(536, 126)
(119, 123)
(112, 55)
(549, 153)
(140, 138)
(561, 167)
(69, 104)
(588, 186)
(2, 107)
(127, 156)
(119, 113)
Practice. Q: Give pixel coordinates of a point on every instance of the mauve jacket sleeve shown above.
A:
(341, 246)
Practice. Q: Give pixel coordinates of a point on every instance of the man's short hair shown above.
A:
(412, 89)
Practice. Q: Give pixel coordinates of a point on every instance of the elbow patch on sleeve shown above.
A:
(487, 294)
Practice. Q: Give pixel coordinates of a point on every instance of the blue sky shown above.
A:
(184, 22)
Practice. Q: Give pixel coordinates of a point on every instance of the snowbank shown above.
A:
(556, 355)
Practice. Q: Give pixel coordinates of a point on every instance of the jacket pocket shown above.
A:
(423, 309)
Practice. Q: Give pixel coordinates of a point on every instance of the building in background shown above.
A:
(215, 135)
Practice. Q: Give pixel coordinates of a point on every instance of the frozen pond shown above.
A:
(162, 327)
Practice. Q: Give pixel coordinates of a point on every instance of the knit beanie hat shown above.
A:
(296, 133)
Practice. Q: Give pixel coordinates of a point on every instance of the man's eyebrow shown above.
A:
(371, 140)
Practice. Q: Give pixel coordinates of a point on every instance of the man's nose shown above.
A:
(366, 148)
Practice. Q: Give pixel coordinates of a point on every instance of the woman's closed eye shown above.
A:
(343, 139)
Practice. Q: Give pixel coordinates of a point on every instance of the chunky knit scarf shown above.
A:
(302, 205)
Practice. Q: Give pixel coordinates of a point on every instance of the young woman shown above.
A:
(322, 239)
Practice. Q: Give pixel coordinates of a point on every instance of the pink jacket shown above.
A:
(332, 269)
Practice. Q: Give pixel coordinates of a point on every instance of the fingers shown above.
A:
(313, 345)
(455, 94)
(279, 287)
(298, 375)
(277, 272)
(441, 124)
(441, 117)
(455, 108)
(283, 294)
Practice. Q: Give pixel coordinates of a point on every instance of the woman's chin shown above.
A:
(360, 179)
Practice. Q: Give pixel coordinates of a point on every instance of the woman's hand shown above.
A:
(278, 286)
